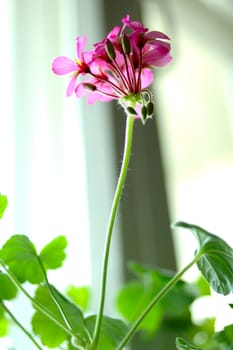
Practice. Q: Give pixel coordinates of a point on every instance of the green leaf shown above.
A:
(225, 337)
(20, 255)
(79, 295)
(3, 204)
(137, 294)
(132, 300)
(8, 290)
(50, 333)
(216, 261)
(4, 327)
(53, 254)
(181, 344)
(73, 314)
(4, 323)
(203, 286)
(111, 333)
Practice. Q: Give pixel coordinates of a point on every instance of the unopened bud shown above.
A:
(150, 108)
(109, 48)
(125, 44)
(144, 113)
(131, 110)
(89, 86)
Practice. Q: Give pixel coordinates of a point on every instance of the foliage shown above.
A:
(59, 319)
(140, 291)
(3, 204)
(119, 67)
(216, 259)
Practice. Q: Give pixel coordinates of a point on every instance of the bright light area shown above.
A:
(195, 108)
(209, 307)
(55, 192)
(6, 121)
(41, 152)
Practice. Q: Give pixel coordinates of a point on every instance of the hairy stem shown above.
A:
(116, 199)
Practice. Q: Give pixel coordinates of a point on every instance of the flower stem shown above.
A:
(36, 304)
(116, 199)
(155, 301)
(24, 330)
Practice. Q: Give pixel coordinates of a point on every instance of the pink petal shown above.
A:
(92, 97)
(80, 90)
(146, 77)
(71, 86)
(80, 44)
(63, 65)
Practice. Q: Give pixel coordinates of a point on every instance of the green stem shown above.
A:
(59, 306)
(53, 296)
(155, 301)
(116, 199)
(37, 305)
(21, 326)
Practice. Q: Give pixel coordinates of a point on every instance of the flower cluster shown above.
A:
(119, 67)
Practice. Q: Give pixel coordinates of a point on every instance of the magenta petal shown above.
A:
(114, 33)
(63, 65)
(157, 59)
(163, 61)
(157, 56)
(155, 34)
(134, 25)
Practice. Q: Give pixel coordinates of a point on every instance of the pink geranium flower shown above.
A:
(64, 65)
(119, 67)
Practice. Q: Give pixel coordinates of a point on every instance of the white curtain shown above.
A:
(57, 164)
(42, 152)
(41, 138)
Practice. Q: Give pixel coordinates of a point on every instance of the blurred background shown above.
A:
(60, 158)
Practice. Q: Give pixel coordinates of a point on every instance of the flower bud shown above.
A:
(109, 48)
(125, 44)
(89, 86)
(150, 108)
(131, 110)
(144, 113)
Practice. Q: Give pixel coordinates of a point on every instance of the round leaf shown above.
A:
(79, 295)
(53, 254)
(3, 204)
(51, 334)
(7, 289)
(133, 299)
(4, 326)
(112, 331)
(20, 255)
